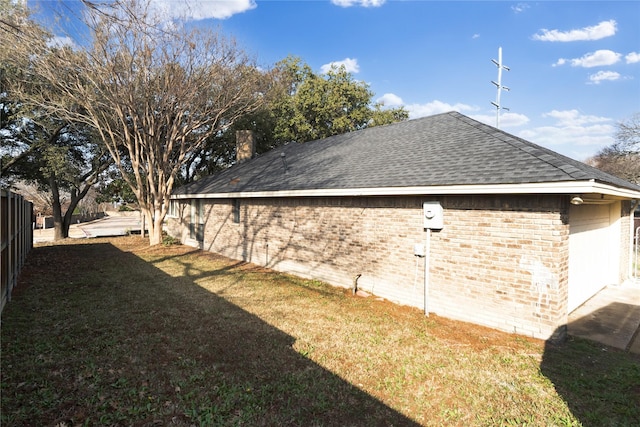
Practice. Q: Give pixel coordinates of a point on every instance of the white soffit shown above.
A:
(569, 187)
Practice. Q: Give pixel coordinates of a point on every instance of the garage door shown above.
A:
(594, 250)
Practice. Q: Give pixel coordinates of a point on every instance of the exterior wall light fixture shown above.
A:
(577, 200)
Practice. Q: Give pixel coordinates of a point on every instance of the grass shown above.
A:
(113, 332)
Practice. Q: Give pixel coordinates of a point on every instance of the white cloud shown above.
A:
(574, 118)
(423, 110)
(595, 32)
(632, 57)
(603, 75)
(435, 107)
(350, 65)
(475, 36)
(363, 3)
(390, 100)
(520, 7)
(598, 58)
(572, 133)
(201, 9)
(59, 42)
(507, 120)
(578, 143)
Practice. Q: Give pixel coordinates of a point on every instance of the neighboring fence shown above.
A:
(16, 239)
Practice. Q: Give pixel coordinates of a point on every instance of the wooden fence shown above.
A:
(16, 239)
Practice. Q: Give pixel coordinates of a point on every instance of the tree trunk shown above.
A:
(62, 223)
(155, 229)
(155, 235)
(75, 199)
(59, 230)
(143, 227)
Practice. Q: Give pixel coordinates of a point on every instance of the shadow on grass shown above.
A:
(97, 336)
(600, 384)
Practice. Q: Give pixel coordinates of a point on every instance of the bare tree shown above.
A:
(153, 90)
(39, 145)
(41, 199)
(628, 134)
(622, 158)
(622, 164)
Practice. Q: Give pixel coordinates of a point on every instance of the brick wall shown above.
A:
(502, 262)
(369, 236)
(499, 261)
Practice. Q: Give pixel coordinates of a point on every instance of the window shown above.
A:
(196, 225)
(173, 209)
(235, 210)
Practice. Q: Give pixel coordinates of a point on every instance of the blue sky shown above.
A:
(574, 66)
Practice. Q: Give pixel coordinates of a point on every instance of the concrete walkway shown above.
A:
(611, 317)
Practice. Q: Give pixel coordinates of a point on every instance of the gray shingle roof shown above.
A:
(441, 150)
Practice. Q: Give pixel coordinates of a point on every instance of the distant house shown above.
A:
(518, 237)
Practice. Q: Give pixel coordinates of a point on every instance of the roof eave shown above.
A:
(565, 187)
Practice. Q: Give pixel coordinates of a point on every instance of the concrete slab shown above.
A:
(611, 317)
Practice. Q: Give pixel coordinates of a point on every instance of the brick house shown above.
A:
(526, 235)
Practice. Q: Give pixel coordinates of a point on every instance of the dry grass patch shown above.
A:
(113, 332)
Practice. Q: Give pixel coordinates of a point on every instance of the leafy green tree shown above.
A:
(116, 190)
(314, 106)
(380, 116)
(62, 159)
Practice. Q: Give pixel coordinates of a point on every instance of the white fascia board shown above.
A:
(568, 187)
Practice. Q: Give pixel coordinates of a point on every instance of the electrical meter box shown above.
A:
(433, 215)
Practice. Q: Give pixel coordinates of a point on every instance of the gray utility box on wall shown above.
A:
(433, 215)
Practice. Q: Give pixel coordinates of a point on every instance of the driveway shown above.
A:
(610, 317)
(108, 226)
(111, 226)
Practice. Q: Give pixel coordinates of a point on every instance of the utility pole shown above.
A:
(499, 86)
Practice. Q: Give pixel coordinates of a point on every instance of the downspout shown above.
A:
(354, 287)
(427, 255)
(634, 241)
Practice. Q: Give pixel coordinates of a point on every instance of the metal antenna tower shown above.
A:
(499, 86)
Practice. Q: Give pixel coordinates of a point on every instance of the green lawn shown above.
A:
(113, 332)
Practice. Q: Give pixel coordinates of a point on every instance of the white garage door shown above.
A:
(594, 250)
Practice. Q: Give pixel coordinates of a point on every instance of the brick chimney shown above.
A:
(245, 145)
